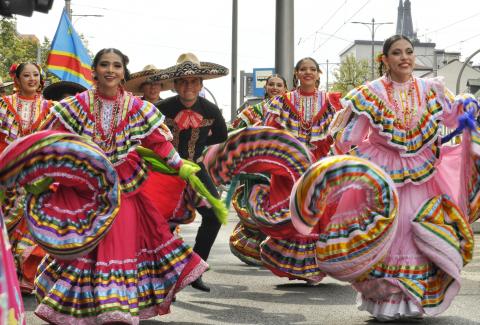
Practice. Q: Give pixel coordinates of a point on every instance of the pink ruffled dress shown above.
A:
(420, 273)
(11, 305)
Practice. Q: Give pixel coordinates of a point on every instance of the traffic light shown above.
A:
(24, 7)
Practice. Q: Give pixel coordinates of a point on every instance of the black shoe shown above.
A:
(200, 285)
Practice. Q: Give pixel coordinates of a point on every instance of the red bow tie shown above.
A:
(188, 119)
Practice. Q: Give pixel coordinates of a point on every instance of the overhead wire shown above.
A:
(451, 24)
(463, 41)
(303, 39)
(344, 23)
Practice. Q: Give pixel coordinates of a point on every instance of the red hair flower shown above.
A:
(12, 70)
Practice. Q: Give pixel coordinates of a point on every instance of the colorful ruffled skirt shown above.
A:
(402, 248)
(265, 233)
(112, 255)
(26, 253)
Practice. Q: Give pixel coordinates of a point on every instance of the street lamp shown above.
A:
(373, 27)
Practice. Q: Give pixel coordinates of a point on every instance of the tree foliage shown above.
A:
(350, 74)
(15, 48)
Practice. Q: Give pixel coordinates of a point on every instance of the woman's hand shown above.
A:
(188, 168)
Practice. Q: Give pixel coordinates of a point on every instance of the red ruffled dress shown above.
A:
(307, 116)
(19, 117)
(138, 266)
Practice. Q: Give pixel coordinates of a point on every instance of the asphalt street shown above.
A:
(244, 294)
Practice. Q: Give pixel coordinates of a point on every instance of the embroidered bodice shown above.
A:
(21, 116)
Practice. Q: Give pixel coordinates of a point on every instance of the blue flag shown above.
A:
(68, 59)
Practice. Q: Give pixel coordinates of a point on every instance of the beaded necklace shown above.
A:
(307, 106)
(27, 110)
(406, 112)
(100, 135)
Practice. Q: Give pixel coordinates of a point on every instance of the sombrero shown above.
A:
(188, 65)
(137, 79)
(57, 90)
(5, 84)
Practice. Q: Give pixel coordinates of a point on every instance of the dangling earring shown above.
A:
(387, 71)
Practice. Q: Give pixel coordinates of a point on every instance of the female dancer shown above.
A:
(275, 85)
(21, 114)
(304, 116)
(138, 266)
(396, 122)
(246, 237)
(305, 112)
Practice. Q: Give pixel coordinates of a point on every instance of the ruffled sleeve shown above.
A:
(445, 98)
(139, 120)
(369, 101)
(10, 129)
(273, 110)
(249, 116)
(162, 147)
(334, 99)
(348, 130)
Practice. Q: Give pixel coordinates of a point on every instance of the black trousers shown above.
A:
(209, 226)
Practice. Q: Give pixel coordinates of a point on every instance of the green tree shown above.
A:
(14, 49)
(350, 74)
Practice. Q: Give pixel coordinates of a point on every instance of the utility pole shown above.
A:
(372, 26)
(233, 73)
(284, 44)
(328, 64)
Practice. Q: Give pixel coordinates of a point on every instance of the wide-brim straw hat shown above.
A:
(188, 65)
(5, 84)
(57, 90)
(138, 79)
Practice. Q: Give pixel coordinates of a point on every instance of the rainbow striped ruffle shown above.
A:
(367, 100)
(13, 206)
(443, 236)
(246, 150)
(74, 164)
(261, 150)
(240, 204)
(288, 114)
(245, 244)
(294, 257)
(355, 237)
(263, 207)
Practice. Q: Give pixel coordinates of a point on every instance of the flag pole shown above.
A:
(68, 9)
